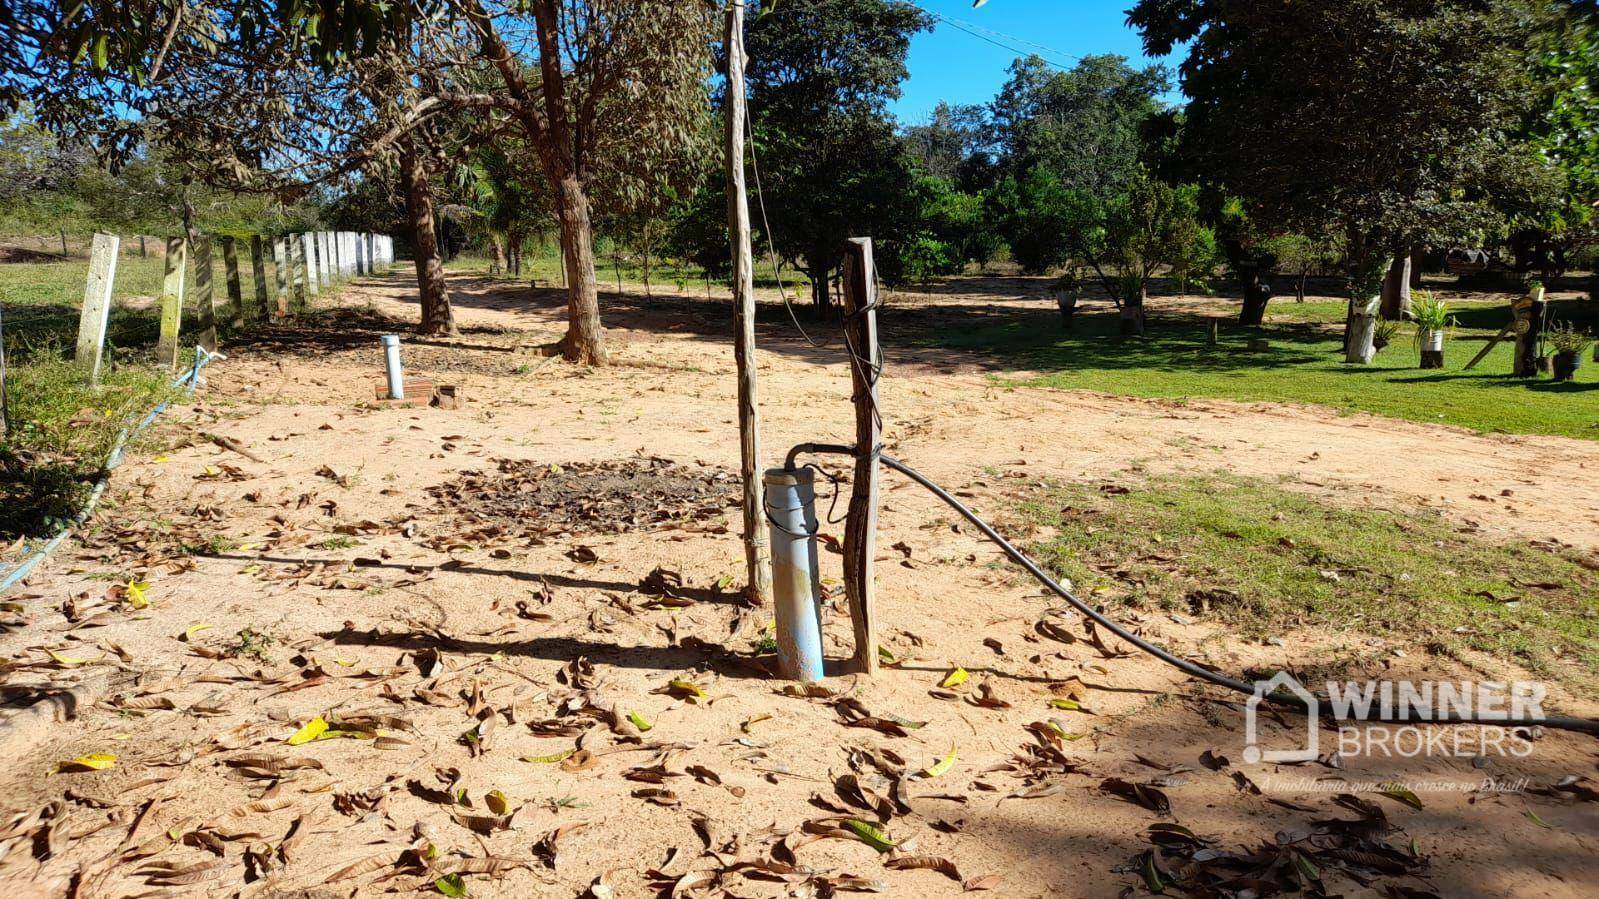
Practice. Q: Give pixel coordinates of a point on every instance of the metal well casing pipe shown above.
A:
(796, 582)
(391, 361)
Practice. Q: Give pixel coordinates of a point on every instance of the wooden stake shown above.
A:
(230, 271)
(96, 312)
(258, 273)
(205, 295)
(757, 550)
(177, 264)
(860, 534)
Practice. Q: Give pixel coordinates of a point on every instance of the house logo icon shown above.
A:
(1253, 754)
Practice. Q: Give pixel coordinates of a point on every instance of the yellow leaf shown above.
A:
(70, 661)
(1069, 705)
(548, 759)
(639, 721)
(159, 459)
(248, 547)
(314, 728)
(191, 630)
(98, 761)
(497, 802)
(955, 678)
(942, 766)
(687, 689)
(870, 834)
(211, 471)
(136, 594)
(747, 725)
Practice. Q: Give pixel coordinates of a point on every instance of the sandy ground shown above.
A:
(372, 602)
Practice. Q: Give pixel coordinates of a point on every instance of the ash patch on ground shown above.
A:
(521, 498)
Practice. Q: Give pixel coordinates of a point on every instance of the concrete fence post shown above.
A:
(308, 249)
(172, 283)
(258, 274)
(230, 271)
(280, 272)
(205, 294)
(96, 314)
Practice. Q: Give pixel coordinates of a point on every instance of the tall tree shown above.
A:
(1384, 119)
(615, 88)
(821, 74)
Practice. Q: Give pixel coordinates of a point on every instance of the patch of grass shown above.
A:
(340, 542)
(1304, 365)
(1265, 560)
(250, 643)
(61, 433)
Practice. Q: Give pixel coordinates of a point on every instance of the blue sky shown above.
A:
(955, 65)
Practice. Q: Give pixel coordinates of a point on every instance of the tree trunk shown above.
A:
(1366, 292)
(1256, 295)
(820, 298)
(1418, 260)
(437, 317)
(584, 342)
(513, 245)
(1132, 315)
(1299, 289)
(1395, 305)
(502, 262)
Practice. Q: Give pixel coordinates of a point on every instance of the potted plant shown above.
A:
(1431, 315)
(1569, 343)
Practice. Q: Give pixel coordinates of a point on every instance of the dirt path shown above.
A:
(331, 582)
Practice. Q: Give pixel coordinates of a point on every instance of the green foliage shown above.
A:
(61, 432)
(1083, 126)
(1568, 338)
(1429, 311)
(821, 74)
(1386, 120)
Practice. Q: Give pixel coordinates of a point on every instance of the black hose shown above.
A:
(1187, 666)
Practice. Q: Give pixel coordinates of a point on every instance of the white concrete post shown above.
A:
(312, 282)
(97, 304)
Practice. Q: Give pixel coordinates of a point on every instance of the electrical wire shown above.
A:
(766, 228)
(1187, 666)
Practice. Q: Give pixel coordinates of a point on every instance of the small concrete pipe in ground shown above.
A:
(391, 361)
(796, 584)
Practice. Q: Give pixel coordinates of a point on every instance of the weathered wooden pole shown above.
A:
(757, 549)
(97, 304)
(230, 271)
(177, 264)
(205, 295)
(280, 272)
(865, 362)
(258, 272)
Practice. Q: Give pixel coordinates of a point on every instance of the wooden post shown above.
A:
(1529, 312)
(757, 548)
(142, 253)
(258, 273)
(280, 272)
(64, 250)
(860, 534)
(230, 271)
(97, 304)
(205, 295)
(177, 264)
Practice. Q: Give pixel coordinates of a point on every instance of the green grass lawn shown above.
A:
(1304, 365)
(1266, 560)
